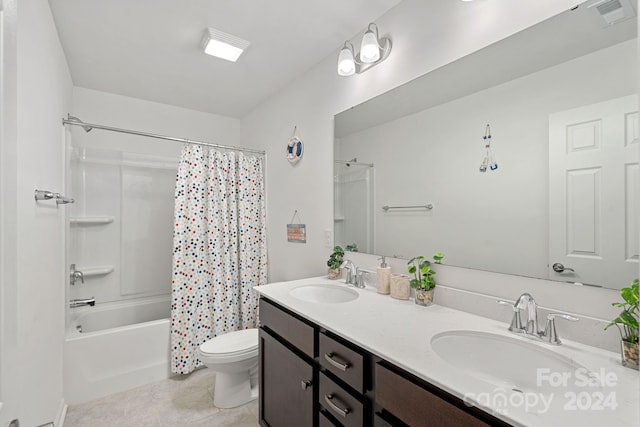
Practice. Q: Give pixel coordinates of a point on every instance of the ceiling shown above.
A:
(149, 49)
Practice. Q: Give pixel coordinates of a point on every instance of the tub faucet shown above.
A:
(82, 302)
(350, 278)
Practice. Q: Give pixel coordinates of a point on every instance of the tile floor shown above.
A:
(183, 401)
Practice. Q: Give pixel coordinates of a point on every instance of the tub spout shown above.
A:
(82, 302)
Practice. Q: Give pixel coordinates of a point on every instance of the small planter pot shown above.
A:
(629, 352)
(334, 273)
(424, 297)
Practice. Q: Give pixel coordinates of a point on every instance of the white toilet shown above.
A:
(234, 357)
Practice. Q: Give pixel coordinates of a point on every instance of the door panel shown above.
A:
(593, 192)
(284, 399)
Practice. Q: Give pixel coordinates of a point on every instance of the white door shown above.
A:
(593, 193)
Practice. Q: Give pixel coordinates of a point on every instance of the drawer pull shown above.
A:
(342, 366)
(342, 412)
(305, 384)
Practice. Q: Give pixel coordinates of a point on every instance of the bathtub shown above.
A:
(115, 347)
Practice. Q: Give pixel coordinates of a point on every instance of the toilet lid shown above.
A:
(232, 342)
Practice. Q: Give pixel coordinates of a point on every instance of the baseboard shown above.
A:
(61, 415)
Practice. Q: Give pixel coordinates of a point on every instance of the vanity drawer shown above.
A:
(292, 329)
(346, 408)
(415, 405)
(324, 420)
(342, 361)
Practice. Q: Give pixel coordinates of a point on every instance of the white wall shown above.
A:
(104, 108)
(9, 352)
(312, 100)
(35, 329)
(433, 156)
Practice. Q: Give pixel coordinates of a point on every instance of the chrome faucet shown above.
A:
(75, 275)
(530, 329)
(74, 303)
(526, 300)
(350, 278)
(360, 272)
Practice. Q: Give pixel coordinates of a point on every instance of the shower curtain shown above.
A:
(219, 249)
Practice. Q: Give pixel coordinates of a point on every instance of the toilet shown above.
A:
(234, 357)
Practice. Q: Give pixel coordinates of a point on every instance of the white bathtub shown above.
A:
(121, 346)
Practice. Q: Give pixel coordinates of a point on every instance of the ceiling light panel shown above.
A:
(223, 45)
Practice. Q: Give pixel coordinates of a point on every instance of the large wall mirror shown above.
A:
(561, 101)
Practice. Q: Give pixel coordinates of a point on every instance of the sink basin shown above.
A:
(327, 294)
(510, 363)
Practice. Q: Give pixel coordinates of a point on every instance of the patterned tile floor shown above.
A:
(184, 401)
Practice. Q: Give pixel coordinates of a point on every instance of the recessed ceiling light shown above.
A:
(223, 45)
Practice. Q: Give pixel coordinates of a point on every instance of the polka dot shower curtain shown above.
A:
(219, 249)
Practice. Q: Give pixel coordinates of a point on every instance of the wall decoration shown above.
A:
(295, 148)
(488, 160)
(296, 232)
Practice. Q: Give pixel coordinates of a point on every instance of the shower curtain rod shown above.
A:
(70, 120)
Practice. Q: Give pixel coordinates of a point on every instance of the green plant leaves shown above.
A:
(420, 267)
(628, 317)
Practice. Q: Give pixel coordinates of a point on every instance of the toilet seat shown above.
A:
(230, 347)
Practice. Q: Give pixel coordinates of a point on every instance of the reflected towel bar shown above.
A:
(428, 207)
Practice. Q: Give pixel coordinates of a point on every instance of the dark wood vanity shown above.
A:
(312, 377)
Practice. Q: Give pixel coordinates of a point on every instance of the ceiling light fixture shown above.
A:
(223, 45)
(373, 50)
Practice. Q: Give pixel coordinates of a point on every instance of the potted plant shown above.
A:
(423, 281)
(334, 263)
(627, 324)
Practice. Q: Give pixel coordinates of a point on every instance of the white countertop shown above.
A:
(401, 332)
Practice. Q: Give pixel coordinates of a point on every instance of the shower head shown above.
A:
(71, 118)
(354, 160)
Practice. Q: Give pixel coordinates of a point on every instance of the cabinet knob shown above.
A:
(305, 384)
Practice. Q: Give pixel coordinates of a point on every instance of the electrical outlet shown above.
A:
(328, 238)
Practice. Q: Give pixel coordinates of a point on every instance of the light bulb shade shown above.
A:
(370, 49)
(346, 62)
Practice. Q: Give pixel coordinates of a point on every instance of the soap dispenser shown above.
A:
(383, 277)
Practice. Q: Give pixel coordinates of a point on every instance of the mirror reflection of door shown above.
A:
(593, 193)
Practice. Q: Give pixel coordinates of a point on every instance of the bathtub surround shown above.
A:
(219, 249)
(120, 228)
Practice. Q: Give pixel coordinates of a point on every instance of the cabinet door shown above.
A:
(286, 386)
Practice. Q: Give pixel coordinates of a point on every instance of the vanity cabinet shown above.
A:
(310, 377)
(288, 399)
